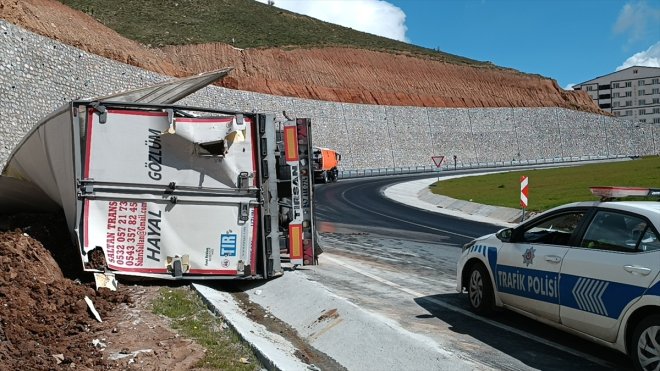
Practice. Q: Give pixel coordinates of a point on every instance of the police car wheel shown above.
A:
(480, 290)
(645, 345)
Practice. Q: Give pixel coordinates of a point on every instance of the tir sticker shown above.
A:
(228, 245)
(528, 257)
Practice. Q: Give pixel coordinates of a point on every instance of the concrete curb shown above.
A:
(274, 352)
(504, 214)
(418, 194)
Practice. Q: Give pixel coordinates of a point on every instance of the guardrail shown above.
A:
(363, 173)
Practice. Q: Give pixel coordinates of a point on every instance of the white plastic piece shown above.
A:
(106, 280)
(91, 307)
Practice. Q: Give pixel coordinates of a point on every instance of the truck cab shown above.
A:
(326, 162)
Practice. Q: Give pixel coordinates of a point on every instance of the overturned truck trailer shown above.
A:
(152, 189)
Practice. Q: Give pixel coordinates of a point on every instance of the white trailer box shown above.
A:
(152, 189)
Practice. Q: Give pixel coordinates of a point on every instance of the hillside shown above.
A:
(388, 74)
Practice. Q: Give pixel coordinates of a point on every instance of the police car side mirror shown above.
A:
(504, 235)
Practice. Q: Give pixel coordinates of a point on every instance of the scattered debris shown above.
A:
(106, 280)
(91, 307)
(327, 315)
(124, 353)
(99, 344)
(59, 358)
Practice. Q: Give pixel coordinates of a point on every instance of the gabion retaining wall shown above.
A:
(38, 75)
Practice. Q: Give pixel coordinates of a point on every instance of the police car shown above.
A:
(589, 268)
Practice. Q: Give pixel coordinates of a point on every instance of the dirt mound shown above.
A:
(44, 314)
(332, 74)
(45, 323)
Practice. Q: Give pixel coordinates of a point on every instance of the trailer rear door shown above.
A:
(165, 195)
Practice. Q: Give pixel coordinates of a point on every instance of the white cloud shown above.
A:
(649, 58)
(376, 17)
(637, 19)
(569, 86)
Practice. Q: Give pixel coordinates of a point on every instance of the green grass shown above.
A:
(242, 23)
(189, 316)
(552, 187)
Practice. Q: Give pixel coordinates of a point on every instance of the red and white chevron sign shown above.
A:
(523, 191)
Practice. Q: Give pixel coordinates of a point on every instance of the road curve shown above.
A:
(361, 203)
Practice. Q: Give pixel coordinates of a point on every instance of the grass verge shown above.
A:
(551, 187)
(191, 318)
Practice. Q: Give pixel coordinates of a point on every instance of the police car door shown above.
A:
(528, 267)
(616, 262)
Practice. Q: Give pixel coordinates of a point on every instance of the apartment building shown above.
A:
(631, 94)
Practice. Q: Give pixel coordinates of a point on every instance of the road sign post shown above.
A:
(438, 160)
(524, 193)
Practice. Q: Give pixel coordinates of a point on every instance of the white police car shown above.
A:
(589, 268)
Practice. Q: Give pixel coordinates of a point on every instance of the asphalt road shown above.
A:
(360, 225)
(360, 202)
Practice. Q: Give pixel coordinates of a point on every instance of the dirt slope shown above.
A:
(362, 76)
(333, 74)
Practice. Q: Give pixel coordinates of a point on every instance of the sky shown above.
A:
(571, 41)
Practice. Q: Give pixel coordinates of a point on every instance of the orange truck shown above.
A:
(325, 162)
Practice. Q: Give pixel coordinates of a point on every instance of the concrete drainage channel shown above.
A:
(351, 337)
(274, 351)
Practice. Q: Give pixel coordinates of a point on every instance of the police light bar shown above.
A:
(615, 192)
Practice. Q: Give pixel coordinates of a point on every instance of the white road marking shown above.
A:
(476, 317)
(399, 219)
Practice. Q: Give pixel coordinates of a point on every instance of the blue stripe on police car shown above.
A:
(529, 283)
(600, 297)
(487, 251)
(588, 294)
(606, 298)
